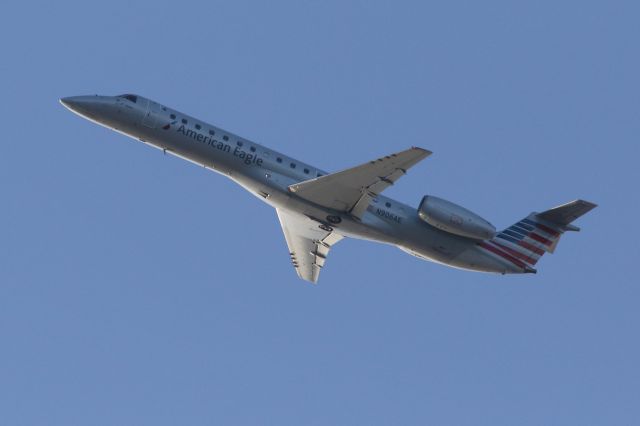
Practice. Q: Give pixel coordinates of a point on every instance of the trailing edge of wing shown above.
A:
(352, 190)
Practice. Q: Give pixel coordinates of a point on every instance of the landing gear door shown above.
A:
(150, 118)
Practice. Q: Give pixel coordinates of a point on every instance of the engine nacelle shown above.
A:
(452, 218)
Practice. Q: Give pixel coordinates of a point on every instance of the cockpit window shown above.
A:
(132, 98)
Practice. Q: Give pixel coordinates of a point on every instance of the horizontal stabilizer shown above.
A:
(567, 213)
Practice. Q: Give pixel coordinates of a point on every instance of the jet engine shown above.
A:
(452, 218)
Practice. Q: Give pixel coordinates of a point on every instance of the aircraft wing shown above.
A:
(353, 189)
(308, 244)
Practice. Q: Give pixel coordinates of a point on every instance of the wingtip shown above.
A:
(425, 151)
(588, 203)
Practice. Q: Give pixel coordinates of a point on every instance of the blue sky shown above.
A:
(136, 288)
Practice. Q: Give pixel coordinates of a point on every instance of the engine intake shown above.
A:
(454, 219)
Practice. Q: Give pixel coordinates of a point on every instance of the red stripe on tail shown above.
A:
(539, 238)
(530, 260)
(500, 253)
(547, 230)
(531, 247)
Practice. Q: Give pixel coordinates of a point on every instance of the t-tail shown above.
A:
(524, 242)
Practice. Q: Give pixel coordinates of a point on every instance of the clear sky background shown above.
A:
(139, 289)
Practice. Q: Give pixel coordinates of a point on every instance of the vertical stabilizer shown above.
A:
(526, 241)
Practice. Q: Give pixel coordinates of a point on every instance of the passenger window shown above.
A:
(306, 171)
(211, 132)
(173, 116)
(239, 143)
(253, 149)
(184, 121)
(225, 137)
(198, 126)
(388, 204)
(279, 160)
(292, 165)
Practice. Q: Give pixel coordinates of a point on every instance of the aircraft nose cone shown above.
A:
(74, 102)
(83, 105)
(67, 101)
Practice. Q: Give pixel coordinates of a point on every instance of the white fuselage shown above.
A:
(267, 174)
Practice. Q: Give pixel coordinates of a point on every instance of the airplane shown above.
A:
(317, 209)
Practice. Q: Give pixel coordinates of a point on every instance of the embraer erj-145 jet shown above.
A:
(317, 209)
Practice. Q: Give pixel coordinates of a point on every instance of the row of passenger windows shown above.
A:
(293, 166)
(239, 143)
(134, 98)
(199, 127)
